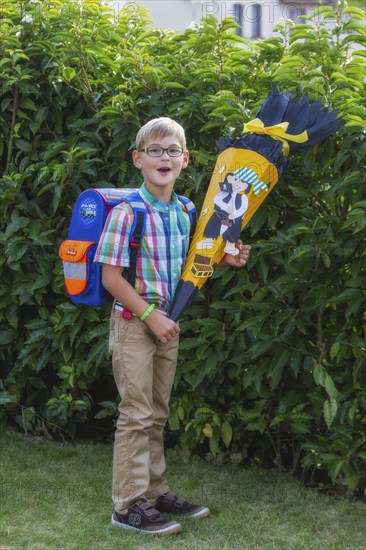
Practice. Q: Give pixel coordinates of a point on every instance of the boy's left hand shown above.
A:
(241, 259)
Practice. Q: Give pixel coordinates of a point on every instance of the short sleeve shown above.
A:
(113, 246)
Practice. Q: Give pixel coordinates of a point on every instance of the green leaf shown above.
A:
(68, 73)
(207, 430)
(23, 145)
(214, 446)
(6, 398)
(279, 361)
(319, 375)
(357, 13)
(174, 85)
(226, 433)
(300, 428)
(261, 348)
(329, 386)
(330, 408)
(326, 11)
(334, 350)
(42, 114)
(6, 336)
(80, 405)
(301, 251)
(326, 259)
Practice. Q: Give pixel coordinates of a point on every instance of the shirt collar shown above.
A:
(156, 203)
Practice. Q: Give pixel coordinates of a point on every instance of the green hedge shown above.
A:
(272, 361)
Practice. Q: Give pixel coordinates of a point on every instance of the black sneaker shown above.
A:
(171, 504)
(144, 518)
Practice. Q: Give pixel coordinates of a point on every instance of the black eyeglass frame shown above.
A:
(163, 149)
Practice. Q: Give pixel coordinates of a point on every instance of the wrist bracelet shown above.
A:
(147, 312)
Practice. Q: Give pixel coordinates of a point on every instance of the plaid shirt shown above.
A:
(163, 248)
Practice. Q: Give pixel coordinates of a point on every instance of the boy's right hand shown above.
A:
(163, 327)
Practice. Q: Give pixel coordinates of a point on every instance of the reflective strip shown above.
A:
(75, 270)
(75, 274)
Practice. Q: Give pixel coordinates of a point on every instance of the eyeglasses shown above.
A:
(156, 151)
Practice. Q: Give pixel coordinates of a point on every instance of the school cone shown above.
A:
(246, 171)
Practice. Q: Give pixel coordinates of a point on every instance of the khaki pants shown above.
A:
(144, 371)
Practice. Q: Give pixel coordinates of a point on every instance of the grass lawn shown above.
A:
(57, 497)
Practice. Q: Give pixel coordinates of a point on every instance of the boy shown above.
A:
(144, 346)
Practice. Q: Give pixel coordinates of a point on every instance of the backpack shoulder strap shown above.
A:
(190, 208)
(139, 224)
(137, 232)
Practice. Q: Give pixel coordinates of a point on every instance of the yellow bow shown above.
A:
(278, 131)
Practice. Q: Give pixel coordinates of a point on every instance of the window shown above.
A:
(255, 19)
(294, 14)
(238, 15)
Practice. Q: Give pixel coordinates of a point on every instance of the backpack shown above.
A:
(83, 278)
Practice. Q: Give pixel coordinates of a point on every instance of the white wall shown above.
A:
(167, 14)
(179, 14)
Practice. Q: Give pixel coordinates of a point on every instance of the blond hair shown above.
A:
(158, 128)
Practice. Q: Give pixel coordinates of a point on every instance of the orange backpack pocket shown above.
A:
(77, 258)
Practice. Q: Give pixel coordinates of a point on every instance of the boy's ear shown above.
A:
(185, 159)
(136, 158)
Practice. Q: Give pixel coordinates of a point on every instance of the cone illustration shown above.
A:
(246, 171)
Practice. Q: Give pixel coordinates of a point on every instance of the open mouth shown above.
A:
(164, 170)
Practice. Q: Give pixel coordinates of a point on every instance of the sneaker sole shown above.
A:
(170, 530)
(198, 515)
